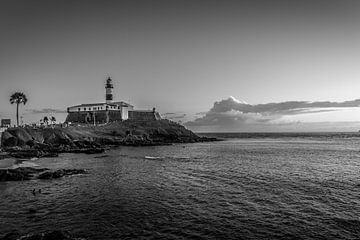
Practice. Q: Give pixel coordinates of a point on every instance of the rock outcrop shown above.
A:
(19, 174)
(40, 142)
(28, 173)
(60, 173)
(50, 235)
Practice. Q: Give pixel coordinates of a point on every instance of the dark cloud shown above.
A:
(232, 112)
(45, 111)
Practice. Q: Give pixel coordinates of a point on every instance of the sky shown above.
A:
(186, 58)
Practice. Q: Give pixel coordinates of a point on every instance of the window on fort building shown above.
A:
(78, 109)
(84, 109)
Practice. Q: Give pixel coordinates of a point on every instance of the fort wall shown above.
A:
(88, 117)
(144, 115)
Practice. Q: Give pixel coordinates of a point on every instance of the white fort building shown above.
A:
(108, 111)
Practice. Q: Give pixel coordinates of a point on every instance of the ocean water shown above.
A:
(273, 186)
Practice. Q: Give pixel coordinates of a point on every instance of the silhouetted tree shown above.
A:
(46, 120)
(52, 120)
(18, 98)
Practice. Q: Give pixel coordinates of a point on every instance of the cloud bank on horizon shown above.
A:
(232, 114)
(45, 111)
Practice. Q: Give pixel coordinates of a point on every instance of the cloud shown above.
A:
(231, 113)
(290, 107)
(174, 115)
(200, 113)
(45, 111)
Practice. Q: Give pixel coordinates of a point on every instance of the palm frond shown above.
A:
(18, 97)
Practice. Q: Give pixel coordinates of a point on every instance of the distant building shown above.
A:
(5, 123)
(108, 111)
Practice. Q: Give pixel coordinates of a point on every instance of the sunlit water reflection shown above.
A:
(235, 189)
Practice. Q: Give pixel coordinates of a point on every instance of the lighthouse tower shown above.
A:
(109, 87)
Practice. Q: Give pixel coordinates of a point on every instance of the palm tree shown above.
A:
(46, 120)
(52, 120)
(18, 98)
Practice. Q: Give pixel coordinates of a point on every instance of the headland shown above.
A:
(29, 142)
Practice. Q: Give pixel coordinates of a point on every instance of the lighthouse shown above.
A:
(108, 111)
(109, 87)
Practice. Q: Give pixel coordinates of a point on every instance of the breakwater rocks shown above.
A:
(51, 235)
(48, 142)
(28, 173)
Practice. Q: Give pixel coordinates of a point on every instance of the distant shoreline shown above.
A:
(279, 134)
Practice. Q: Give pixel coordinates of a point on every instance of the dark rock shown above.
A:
(60, 173)
(102, 156)
(57, 235)
(91, 140)
(8, 140)
(50, 235)
(4, 155)
(21, 134)
(32, 153)
(27, 173)
(14, 235)
(32, 210)
(26, 153)
(50, 154)
(88, 150)
(19, 174)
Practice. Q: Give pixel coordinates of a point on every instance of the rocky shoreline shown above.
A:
(29, 143)
(49, 142)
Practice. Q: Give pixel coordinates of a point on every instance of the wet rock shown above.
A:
(102, 156)
(50, 154)
(88, 150)
(8, 140)
(20, 134)
(17, 152)
(32, 210)
(60, 173)
(4, 155)
(50, 235)
(14, 235)
(19, 174)
(25, 153)
(27, 173)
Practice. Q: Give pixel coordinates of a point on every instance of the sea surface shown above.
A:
(249, 186)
